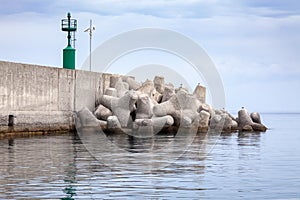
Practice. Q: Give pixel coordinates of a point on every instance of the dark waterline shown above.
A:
(240, 166)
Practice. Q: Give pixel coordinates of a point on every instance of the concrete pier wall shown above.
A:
(39, 98)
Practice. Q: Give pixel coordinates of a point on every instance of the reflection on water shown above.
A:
(70, 178)
(241, 165)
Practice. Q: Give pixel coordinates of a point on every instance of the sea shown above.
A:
(232, 166)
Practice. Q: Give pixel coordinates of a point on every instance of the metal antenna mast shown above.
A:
(90, 31)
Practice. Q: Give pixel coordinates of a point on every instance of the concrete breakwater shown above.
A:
(154, 105)
(44, 99)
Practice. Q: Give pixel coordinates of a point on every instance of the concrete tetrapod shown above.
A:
(255, 117)
(102, 113)
(155, 121)
(133, 85)
(113, 122)
(170, 107)
(159, 84)
(154, 105)
(87, 119)
(216, 122)
(200, 93)
(121, 107)
(203, 121)
(182, 107)
(148, 88)
(121, 87)
(168, 92)
(144, 107)
(244, 121)
(227, 124)
(148, 127)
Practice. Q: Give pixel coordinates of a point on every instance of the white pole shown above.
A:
(90, 31)
(91, 45)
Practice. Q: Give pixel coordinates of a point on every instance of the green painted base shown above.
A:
(69, 57)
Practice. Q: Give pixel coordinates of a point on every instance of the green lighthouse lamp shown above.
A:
(69, 25)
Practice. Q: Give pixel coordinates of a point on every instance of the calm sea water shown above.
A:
(240, 166)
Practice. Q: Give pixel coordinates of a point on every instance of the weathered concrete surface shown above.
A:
(39, 98)
(35, 88)
(87, 119)
(200, 93)
(144, 107)
(245, 122)
(244, 118)
(168, 92)
(44, 98)
(149, 89)
(88, 89)
(133, 85)
(102, 112)
(159, 84)
(255, 116)
(155, 121)
(113, 122)
(203, 121)
(121, 107)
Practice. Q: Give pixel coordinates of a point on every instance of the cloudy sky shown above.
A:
(254, 44)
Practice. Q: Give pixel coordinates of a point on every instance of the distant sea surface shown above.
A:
(240, 166)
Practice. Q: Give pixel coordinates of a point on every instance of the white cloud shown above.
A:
(251, 45)
(162, 8)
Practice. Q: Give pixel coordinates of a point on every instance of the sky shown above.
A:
(254, 44)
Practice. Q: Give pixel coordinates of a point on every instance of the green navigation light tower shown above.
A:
(69, 25)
